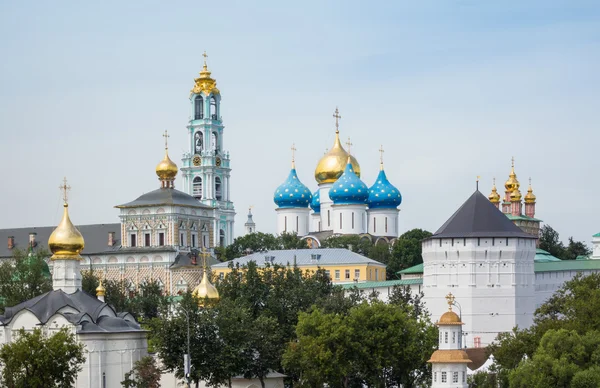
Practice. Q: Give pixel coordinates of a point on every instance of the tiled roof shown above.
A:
(302, 257)
(386, 283)
(478, 217)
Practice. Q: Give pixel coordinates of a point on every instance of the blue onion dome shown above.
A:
(292, 193)
(315, 204)
(384, 195)
(349, 189)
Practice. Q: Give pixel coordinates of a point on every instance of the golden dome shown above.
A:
(454, 356)
(449, 318)
(530, 197)
(100, 290)
(66, 242)
(205, 289)
(494, 197)
(332, 165)
(166, 169)
(512, 183)
(205, 83)
(515, 195)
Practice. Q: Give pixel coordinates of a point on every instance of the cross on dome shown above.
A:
(293, 155)
(205, 253)
(381, 151)
(166, 136)
(450, 299)
(64, 188)
(349, 145)
(205, 56)
(337, 116)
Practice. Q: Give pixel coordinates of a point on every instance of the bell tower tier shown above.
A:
(206, 167)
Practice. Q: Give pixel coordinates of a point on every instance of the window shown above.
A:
(464, 376)
(218, 194)
(328, 274)
(194, 240)
(222, 275)
(453, 337)
(197, 188)
(478, 241)
(446, 337)
(455, 377)
(222, 238)
(284, 224)
(198, 142)
(340, 220)
(352, 220)
(328, 219)
(386, 224)
(477, 342)
(132, 239)
(357, 274)
(337, 274)
(435, 377)
(444, 378)
(147, 239)
(161, 239)
(182, 239)
(376, 274)
(347, 274)
(213, 108)
(374, 225)
(198, 108)
(297, 223)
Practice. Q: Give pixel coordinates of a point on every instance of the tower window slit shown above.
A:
(213, 108)
(374, 225)
(198, 108)
(297, 222)
(386, 228)
(352, 220)
(340, 220)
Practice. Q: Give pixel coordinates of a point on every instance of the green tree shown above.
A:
(89, 281)
(36, 361)
(351, 242)
(291, 241)
(253, 242)
(576, 249)
(24, 277)
(263, 348)
(406, 251)
(145, 374)
(150, 302)
(117, 295)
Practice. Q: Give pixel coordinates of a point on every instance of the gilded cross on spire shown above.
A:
(204, 254)
(349, 144)
(293, 154)
(381, 151)
(512, 162)
(205, 56)
(337, 116)
(65, 188)
(450, 299)
(166, 136)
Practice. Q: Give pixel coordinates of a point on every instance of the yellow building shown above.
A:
(342, 265)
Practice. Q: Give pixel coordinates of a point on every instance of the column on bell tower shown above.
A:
(206, 166)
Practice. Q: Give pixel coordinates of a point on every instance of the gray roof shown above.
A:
(165, 196)
(95, 236)
(478, 217)
(47, 305)
(302, 257)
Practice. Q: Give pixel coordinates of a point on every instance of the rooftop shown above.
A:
(164, 196)
(385, 283)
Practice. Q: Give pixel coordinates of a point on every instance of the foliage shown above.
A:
(353, 243)
(550, 242)
(36, 361)
(375, 344)
(406, 251)
(89, 281)
(259, 242)
(24, 277)
(145, 374)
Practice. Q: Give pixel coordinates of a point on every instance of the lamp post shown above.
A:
(455, 303)
(187, 359)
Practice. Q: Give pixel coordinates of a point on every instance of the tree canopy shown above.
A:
(36, 361)
(550, 242)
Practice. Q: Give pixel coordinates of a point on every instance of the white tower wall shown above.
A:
(293, 220)
(315, 222)
(493, 279)
(383, 222)
(326, 203)
(349, 219)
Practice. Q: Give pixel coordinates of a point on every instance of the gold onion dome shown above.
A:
(332, 165)
(166, 169)
(512, 183)
(205, 289)
(530, 197)
(205, 83)
(494, 197)
(66, 242)
(100, 290)
(515, 195)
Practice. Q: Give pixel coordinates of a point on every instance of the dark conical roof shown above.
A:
(478, 217)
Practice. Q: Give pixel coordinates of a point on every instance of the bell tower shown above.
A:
(206, 167)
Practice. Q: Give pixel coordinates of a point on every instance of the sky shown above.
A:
(451, 89)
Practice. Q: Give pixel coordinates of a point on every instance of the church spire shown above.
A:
(166, 169)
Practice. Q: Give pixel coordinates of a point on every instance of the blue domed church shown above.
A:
(342, 204)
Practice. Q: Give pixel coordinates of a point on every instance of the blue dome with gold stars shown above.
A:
(315, 204)
(292, 193)
(384, 195)
(349, 189)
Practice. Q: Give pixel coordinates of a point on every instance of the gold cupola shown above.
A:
(205, 289)
(66, 242)
(166, 169)
(494, 197)
(332, 164)
(512, 183)
(100, 290)
(205, 83)
(530, 197)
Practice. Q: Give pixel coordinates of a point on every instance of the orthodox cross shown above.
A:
(381, 151)
(529, 181)
(166, 136)
(293, 152)
(204, 254)
(450, 298)
(494, 180)
(65, 188)
(512, 160)
(205, 56)
(349, 144)
(337, 116)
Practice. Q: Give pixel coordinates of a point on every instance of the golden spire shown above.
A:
(337, 116)
(494, 197)
(205, 83)
(100, 290)
(512, 183)
(205, 289)
(450, 299)
(381, 151)
(166, 169)
(333, 163)
(65, 242)
(530, 197)
(293, 155)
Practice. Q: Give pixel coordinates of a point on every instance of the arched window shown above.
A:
(199, 108)
(214, 142)
(213, 108)
(222, 237)
(197, 187)
(198, 142)
(218, 194)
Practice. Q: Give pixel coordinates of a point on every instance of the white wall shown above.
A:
(379, 218)
(349, 219)
(293, 220)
